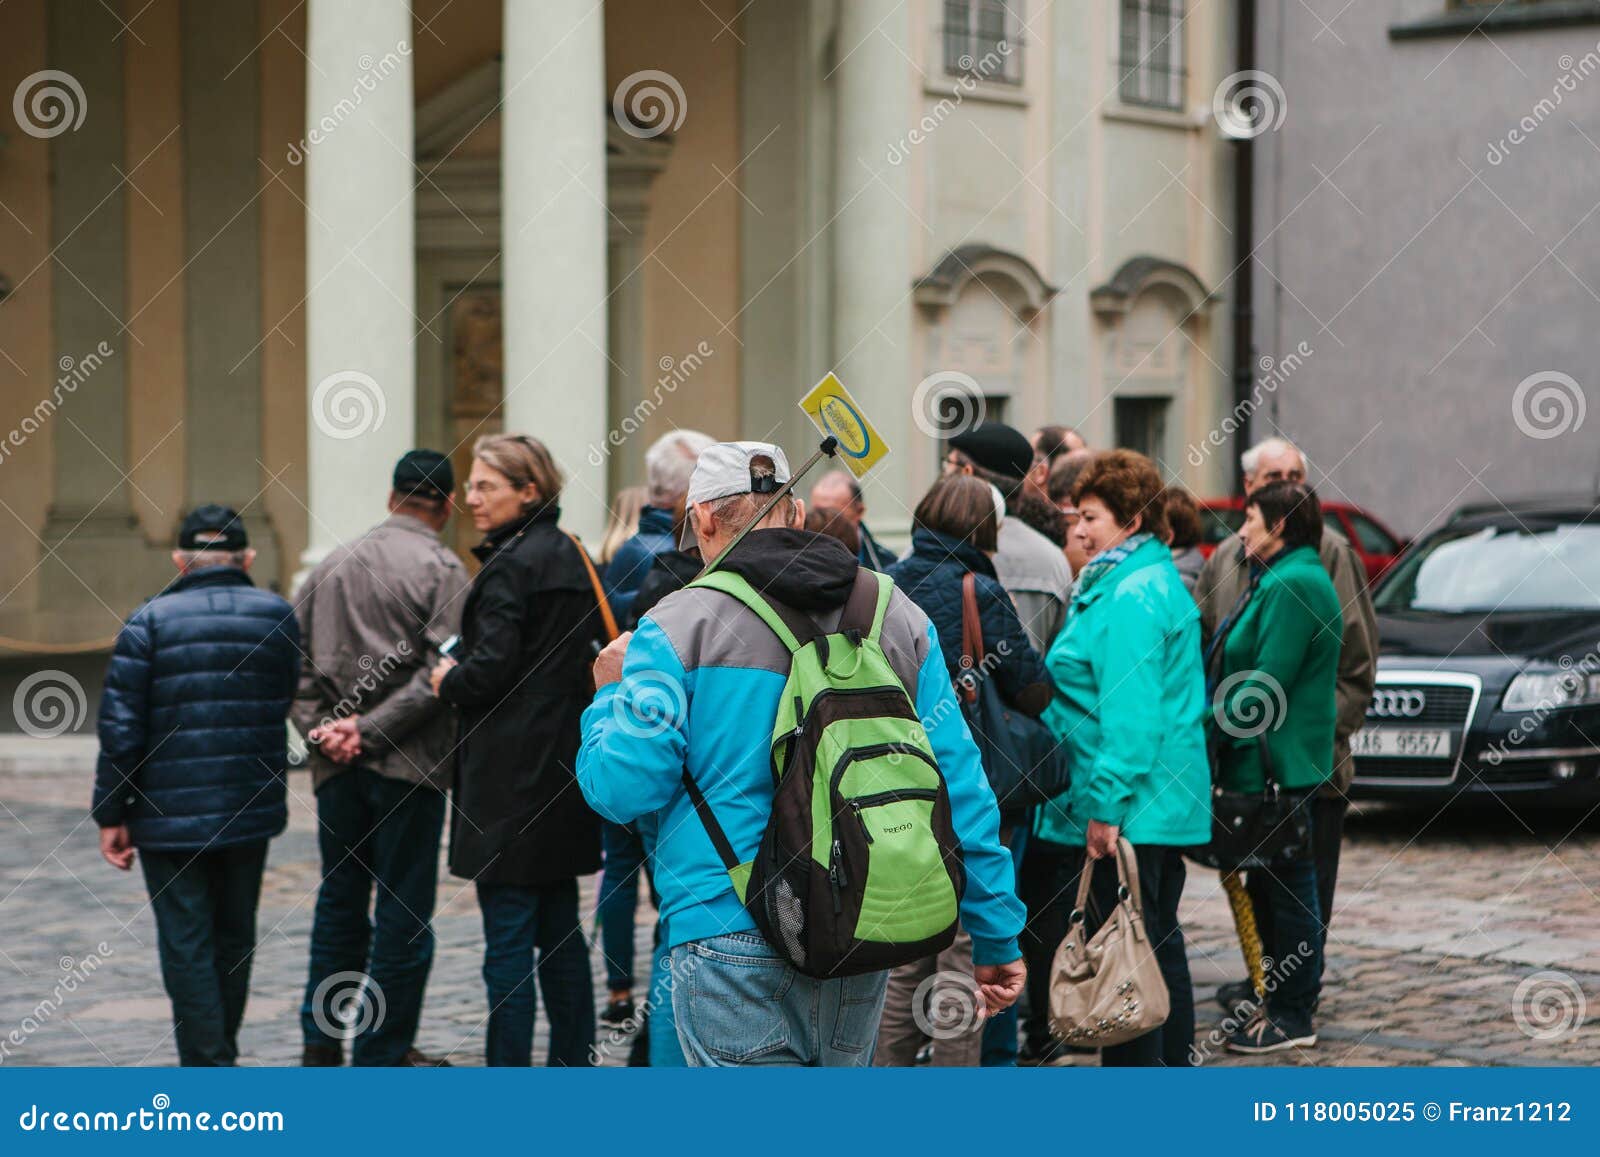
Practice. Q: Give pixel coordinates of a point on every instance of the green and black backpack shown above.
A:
(859, 868)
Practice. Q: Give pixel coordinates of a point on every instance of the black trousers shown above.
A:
(1327, 838)
(1039, 886)
(1161, 877)
(205, 909)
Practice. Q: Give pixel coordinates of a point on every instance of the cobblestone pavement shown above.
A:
(1466, 939)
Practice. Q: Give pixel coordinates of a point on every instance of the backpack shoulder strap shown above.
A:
(788, 624)
(867, 604)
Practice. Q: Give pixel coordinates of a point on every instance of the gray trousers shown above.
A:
(933, 999)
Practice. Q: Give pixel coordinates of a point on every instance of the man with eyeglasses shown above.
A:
(1223, 582)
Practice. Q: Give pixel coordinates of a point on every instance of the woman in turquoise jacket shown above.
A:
(1129, 707)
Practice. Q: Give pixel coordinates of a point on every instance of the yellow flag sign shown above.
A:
(830, 406)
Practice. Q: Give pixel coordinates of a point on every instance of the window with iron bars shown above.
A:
(983, 40)
(1151, 60)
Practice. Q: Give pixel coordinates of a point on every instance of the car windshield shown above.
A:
(1544, 567)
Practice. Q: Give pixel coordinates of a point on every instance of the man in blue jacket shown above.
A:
(193, 747)
(696, 689)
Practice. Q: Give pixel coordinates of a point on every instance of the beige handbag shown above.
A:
(1107, 990)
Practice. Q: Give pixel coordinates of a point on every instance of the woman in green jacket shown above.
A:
(1274, 665)
(1129, 706)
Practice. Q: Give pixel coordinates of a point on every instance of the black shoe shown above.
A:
(617, 1014)
(1262, 1036)
(322, 1057)
(1230, 996)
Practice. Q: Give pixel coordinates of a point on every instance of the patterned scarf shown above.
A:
(1102, 564)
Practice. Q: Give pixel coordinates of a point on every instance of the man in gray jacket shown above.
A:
(373, 615)
(1223, 580)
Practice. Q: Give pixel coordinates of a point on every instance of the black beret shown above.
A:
(996, 447)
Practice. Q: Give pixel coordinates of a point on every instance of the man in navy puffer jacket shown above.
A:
(193, 747)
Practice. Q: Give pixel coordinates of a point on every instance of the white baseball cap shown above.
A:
(723, 470)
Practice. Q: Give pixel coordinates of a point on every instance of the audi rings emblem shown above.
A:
(1390, 703)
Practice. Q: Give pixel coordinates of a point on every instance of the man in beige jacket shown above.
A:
(1224, 579)
(373, 615)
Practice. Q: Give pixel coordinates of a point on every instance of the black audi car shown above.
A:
(1489, 665)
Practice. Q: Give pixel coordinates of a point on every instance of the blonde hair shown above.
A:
(623, 522)
(523, 460)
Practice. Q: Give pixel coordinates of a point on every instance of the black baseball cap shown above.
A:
(212, 527)
(996, 447)
(424, 474)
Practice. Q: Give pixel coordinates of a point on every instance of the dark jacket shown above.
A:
(931, 576)
(528, 640)
(193, 740)
(631, 563)
(673, 570)
(872, 554)
(372, 617)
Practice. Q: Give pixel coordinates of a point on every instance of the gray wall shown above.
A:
(1420, 273)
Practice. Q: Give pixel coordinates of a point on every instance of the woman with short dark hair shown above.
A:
(1273, 668)
(519, 825)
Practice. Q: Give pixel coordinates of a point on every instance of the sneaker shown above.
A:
(1231, 996)
(1262, 1036)
(617, 1013)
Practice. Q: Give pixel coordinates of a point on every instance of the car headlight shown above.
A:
(1548, 690)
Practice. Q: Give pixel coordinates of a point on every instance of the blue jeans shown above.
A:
(737, 1002)
(1296, 946)
(517, 921)
(373, 830)
(205, 910)
(619, 901)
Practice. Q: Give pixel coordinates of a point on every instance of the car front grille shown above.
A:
(1419, 699)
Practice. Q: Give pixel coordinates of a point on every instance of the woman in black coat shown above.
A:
(519, 826)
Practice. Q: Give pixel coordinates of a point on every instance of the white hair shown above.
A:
(1251, 458)
(669, 463)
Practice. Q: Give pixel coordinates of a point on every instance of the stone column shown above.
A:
(360, 262)
(553, 196)
(872, 316)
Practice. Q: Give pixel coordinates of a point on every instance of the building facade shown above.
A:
(1424, 223)
(255, 249)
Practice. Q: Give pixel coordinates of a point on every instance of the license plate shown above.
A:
(1405, 742)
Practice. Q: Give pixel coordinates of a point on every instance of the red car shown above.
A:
(1377, 545)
